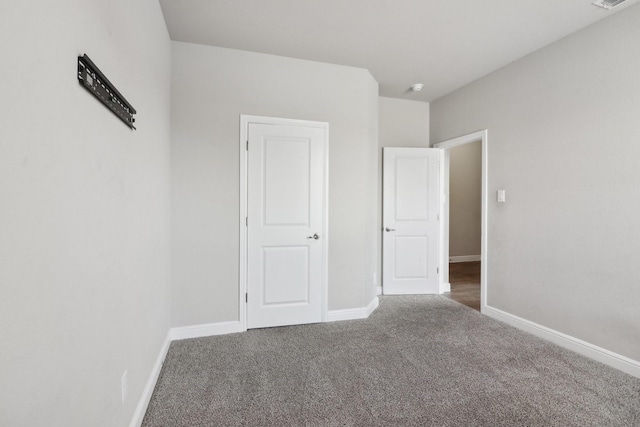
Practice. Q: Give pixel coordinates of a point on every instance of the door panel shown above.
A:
(411, 201)
(410, 220)
(286, 275)
(286, 181)
(411, 252)
(285, 205)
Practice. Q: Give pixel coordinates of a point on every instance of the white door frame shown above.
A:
(245, 120)
(483, 137)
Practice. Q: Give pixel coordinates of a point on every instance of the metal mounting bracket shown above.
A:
(92, 79)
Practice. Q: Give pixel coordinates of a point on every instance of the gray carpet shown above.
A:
(417, 361)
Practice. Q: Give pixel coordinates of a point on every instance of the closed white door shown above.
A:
(286, 222)
(411, 205)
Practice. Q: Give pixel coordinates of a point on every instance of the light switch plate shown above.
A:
(502, 197)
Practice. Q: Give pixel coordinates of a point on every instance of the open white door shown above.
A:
(411, 204)
(286, 224)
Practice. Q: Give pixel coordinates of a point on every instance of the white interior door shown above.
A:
(411, 204)
(286, 224)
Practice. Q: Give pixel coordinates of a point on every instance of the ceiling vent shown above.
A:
(608, 4)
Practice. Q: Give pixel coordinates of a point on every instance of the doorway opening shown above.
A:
(464, 273)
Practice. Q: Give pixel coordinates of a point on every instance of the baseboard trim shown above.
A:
(174, 334)
(464, 258)
(222, 328)
(205, 330)
(353, 313)
(445, 287)
(373, 305)
(143, 403)
(617, 361)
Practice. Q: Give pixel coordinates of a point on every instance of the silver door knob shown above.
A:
(315, 236)
(389, 229)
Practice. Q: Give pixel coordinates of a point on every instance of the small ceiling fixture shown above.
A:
(417, 87)
(608, 4)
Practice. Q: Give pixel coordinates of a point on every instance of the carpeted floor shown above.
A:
(417, 361)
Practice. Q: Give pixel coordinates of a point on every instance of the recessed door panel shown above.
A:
(286, 275)
(411, 199)
(410, 255)
(286, 181)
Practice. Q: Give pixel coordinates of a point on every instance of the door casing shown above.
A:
(245, 120)
(483, 137)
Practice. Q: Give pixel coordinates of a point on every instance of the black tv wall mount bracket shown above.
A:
(92, 79)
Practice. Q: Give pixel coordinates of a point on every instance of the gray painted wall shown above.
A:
(211, 88)
(465, 199)
(84, 222)
(402, 124)
(564, 141)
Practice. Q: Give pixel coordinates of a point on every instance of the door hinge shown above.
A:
(247, 148)
(438, 217)
(246, 297)
(437, 270)
(246, 221)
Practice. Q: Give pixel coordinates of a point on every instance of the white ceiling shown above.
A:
(444, 44)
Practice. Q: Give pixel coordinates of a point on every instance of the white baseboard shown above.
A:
(445, 287)
(464, 258)
(372, 306)
(174, 334)
(143, 403)
(206, 330)
(221, 328)
(622, 363)
(379, 290)
(353, 313)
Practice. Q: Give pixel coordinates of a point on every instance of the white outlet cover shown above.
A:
(125, 386)
(502, 197)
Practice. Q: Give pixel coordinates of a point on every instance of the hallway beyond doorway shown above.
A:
(465, 283)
